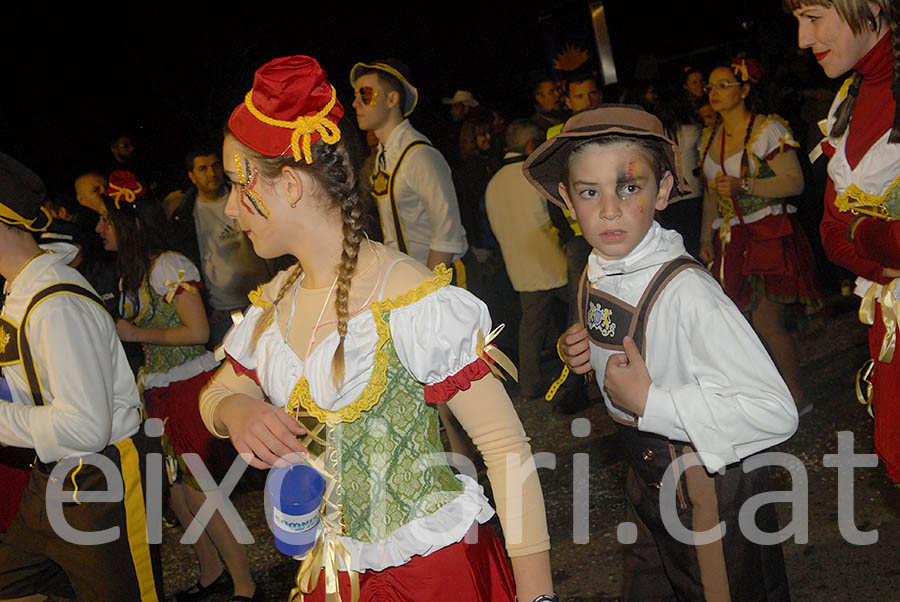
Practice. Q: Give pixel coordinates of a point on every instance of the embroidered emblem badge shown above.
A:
(4, 339)
(380, 182)
(598, 318)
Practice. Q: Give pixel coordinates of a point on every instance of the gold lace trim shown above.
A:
(857, 201)
(301, 396)
(256, 297)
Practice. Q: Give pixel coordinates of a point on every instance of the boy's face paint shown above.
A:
(609, 188)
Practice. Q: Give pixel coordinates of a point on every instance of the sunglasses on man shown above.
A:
(366, 95)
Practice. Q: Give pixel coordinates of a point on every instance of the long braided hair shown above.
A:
(857, 15)
(332, 169)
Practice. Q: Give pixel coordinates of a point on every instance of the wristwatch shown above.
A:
(546, 598)
(745, 185)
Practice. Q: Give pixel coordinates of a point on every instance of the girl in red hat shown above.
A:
(160, 294)
(341, 361)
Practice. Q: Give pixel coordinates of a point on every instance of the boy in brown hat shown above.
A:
(685, 378)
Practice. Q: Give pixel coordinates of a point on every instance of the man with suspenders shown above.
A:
(413, 188)
(74, 401)
(411, 182)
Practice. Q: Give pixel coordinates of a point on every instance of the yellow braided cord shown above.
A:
(303, 127)
(120, 193)
(74, 484)
(8, 216)
(551, 392)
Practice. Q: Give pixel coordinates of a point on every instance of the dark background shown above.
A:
(169, 75)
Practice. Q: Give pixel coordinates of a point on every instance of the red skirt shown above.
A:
(477, 572)
(178, 405)
(886, 401)
(782, 269)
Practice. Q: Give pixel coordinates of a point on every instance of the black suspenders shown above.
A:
(395, 214)
(26, 357)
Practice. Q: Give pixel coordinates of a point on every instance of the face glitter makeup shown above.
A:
(247, 187)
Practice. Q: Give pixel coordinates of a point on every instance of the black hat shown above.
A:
(21, 195)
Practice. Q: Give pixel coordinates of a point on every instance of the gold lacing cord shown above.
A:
(726, 210)
(328, 549)
(303, 127)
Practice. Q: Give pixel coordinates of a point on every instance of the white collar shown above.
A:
(657, 247)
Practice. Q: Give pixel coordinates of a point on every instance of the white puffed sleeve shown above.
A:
(774, 136)
(436, 339)
(166, 274)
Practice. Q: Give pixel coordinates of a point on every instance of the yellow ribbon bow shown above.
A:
(890, 311)
(174, 286)
(120, 193)
(303, 127)
(308, 575)
(726, 210)
(740, 69)
(485, 350)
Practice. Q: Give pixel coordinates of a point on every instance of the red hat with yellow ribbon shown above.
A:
(124, 188)
(290, 108)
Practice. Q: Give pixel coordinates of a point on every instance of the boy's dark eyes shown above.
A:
(629, 189)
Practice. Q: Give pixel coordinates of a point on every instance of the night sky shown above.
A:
(172, 77)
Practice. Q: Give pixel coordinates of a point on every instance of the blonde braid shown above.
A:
(269, 312)
(342, 186)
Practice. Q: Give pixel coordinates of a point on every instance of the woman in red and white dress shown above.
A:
(859, 229)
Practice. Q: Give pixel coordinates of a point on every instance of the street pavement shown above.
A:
(587, 558)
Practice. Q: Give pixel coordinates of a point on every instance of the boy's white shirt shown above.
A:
(713, 383)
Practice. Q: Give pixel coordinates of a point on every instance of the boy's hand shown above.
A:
(627, 380)
(575, 350)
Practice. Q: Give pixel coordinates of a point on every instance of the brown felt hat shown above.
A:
(545, 166)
